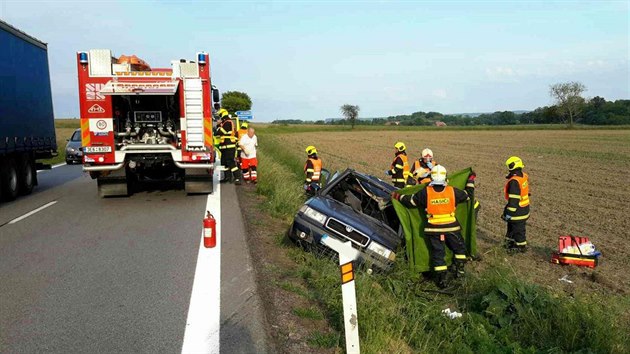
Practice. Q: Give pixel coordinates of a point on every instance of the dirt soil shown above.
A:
(578, 179)
(283, 291)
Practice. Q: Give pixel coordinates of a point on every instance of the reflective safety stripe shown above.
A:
(520, 217)
(308, 180)
(524, 243)
(398, 179)
(447, 229)
(234, 169)
(515, 196)
(511, 209)
(440, 268)
(476, 204)
(524, 201)
(442, 219)
(470, 185)
(310, 170)
(460, 256)
(398, 166)
(413, 202)
(227, 146)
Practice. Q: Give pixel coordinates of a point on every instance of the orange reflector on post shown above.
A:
(347, 272)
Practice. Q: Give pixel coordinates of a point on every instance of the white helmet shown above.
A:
(428, 154)
(438, 175)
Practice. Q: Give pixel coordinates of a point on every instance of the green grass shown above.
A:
(311, 313)
(323, 340)
(502, 313)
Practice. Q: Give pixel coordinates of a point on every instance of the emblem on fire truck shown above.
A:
(93, 92)
(96, 109)
(101, 124)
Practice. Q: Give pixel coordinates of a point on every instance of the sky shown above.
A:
(304, 59)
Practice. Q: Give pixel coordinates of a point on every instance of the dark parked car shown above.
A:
(74, 154)
(356, 207)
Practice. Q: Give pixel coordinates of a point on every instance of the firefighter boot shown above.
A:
(226, 177)
(237, 177)
(440, 280)
(458, 269)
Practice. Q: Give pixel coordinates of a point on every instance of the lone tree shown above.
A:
(569, 100)
(350, 112)
(236, 101)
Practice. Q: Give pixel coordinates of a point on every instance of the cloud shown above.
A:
(502, 74)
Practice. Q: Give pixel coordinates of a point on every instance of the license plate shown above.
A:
(97, 149)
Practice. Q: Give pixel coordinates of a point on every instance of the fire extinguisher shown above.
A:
(209, 231)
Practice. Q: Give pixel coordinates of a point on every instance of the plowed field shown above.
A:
(579, 184)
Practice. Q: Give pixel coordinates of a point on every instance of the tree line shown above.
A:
(596, 111)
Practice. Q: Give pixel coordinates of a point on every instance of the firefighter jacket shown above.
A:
(226, 133)
(313, 169)
(399, 170)
(439, 203)
(517, 196)
(421, 172)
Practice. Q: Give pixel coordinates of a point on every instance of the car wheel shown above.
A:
(26, 175)
(9, 180)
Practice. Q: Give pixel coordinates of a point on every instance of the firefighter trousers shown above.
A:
(515, 236)
(452, 240)
(228, 160)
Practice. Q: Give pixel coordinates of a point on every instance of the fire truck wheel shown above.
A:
(26, 175)
(9, 180)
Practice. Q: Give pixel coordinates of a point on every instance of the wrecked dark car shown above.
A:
(355, 207)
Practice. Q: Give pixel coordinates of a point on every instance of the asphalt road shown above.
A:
(87, 274)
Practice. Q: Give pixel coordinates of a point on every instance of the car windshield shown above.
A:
(365, 197)
(76, 136)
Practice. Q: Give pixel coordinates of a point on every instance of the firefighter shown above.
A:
(421, 170)
(440, 200)
(399, 170)
(226, 132)
(516, 211)
(313, 171)
(249, 163)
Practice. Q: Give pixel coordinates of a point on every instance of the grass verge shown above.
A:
(502, 313)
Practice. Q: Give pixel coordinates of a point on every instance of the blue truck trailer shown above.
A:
(27, 127)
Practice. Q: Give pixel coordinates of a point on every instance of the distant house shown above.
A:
(440, 124)
(392, 123)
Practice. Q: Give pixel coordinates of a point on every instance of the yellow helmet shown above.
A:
(223, 113)
(244, 125)
(514, 162)
(400, 146)
(310, 150)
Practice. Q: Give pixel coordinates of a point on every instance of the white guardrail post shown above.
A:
(347, 256)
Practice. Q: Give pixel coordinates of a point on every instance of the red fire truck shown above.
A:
(141, 124)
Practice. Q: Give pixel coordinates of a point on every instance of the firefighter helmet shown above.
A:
(438, 175)
(428, 154)
(310, 150)
(244, 125)
(514, 162)
(224, 114)
(221, 112)
(400, 146)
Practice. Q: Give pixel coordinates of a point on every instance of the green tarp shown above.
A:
(413, 221)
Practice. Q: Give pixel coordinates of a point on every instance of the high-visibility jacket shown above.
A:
(313, 169)
(227, 134)
(400, 168)
(516, 193)
(439, 203)
(421, 172)
(441, 206)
